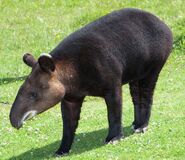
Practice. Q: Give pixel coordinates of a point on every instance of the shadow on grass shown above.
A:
(83, 142)
(11, 80)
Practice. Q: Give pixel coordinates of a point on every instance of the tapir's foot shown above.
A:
(60, 153)
(111, 140)
(141, 129)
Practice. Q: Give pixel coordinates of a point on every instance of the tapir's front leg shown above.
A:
(70, 114)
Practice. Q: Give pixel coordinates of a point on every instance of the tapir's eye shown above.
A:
(44, 86)
(33, 95)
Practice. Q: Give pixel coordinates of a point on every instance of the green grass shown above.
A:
(38, 26)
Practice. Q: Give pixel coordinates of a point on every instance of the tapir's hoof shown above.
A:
(114, 139)
(60, 154)
(140, 129)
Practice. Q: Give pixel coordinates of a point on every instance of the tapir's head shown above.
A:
(40, 91)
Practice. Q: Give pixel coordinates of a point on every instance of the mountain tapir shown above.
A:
(126, 46)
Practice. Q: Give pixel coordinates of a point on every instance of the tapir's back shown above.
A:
(132, 31)
(127, 42)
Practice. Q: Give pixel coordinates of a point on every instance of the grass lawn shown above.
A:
(38, 26)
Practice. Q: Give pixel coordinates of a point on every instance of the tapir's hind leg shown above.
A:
(142, 97)
(113, 99)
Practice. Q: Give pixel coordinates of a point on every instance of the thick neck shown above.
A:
(67, 74)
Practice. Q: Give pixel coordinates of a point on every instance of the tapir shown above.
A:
(127, 46)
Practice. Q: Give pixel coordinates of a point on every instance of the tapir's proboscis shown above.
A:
(126, 46)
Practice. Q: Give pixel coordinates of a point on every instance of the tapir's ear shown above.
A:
(46, 63)
(29, 59)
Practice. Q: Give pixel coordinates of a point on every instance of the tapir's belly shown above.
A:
(137, 71)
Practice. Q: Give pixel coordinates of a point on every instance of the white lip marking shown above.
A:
(28, 115)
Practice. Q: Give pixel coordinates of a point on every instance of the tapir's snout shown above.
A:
(17, 121)
(17, 116)
(15, 113)
(14, 119)
(15, 124)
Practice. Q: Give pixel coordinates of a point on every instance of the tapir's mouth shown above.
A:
(28, 115)
(18, 122)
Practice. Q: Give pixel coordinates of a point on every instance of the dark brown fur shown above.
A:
(125, 46)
